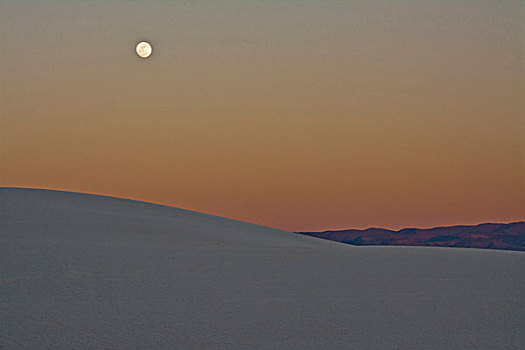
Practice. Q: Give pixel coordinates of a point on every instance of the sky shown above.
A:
(300, 115)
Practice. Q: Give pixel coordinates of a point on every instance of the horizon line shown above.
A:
(136, 199)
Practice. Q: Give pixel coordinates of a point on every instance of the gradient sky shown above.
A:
(301, 115)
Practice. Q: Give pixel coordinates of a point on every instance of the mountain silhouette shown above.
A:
(487, 236)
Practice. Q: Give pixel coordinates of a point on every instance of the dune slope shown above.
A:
(84, 271)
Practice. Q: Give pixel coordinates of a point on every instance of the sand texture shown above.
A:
(90, 272)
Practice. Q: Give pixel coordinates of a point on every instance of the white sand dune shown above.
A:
(93, 272)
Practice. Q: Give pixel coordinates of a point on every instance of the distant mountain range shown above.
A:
(489, 236)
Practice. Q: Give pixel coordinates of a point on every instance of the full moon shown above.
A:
(144, 49)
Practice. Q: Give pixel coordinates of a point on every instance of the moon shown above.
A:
(144, 49)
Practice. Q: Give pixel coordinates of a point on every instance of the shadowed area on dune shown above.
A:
(86, 271)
